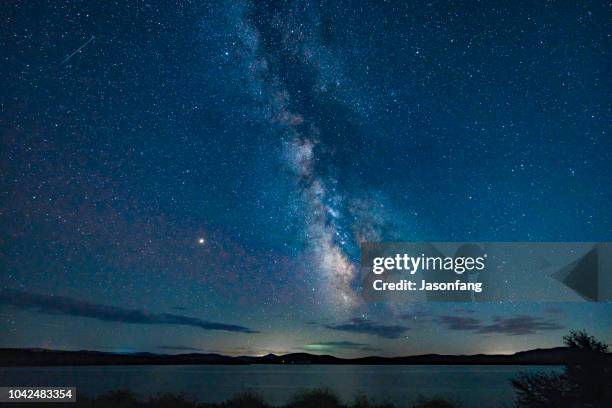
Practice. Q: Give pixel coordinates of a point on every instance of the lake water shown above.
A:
(473, 386)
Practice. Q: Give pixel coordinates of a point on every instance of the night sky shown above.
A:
(179, 177)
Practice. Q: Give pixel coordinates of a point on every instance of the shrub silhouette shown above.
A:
(319, 398)
(585, 382)
(363, 402)
(244, 400)
(167, 400)
(117, 398)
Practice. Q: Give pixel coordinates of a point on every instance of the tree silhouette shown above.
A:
(585, 382)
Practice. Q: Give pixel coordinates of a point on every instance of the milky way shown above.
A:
(199, 167)
(274, 42)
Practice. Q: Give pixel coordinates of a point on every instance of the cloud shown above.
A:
(460, 323)
(554, 310)
(338, 345)
(519, 325)
(361, 325)
(74, 307)
(515, 325)
(464, 310)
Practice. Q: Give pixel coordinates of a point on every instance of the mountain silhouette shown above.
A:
(43, 357)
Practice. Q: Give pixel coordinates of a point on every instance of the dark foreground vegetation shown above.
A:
(311, 399)
(585, 382)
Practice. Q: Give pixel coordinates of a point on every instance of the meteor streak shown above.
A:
(77, 50)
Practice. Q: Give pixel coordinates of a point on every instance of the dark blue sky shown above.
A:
(282, 134)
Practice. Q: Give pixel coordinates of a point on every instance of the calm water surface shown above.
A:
(473, 386)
